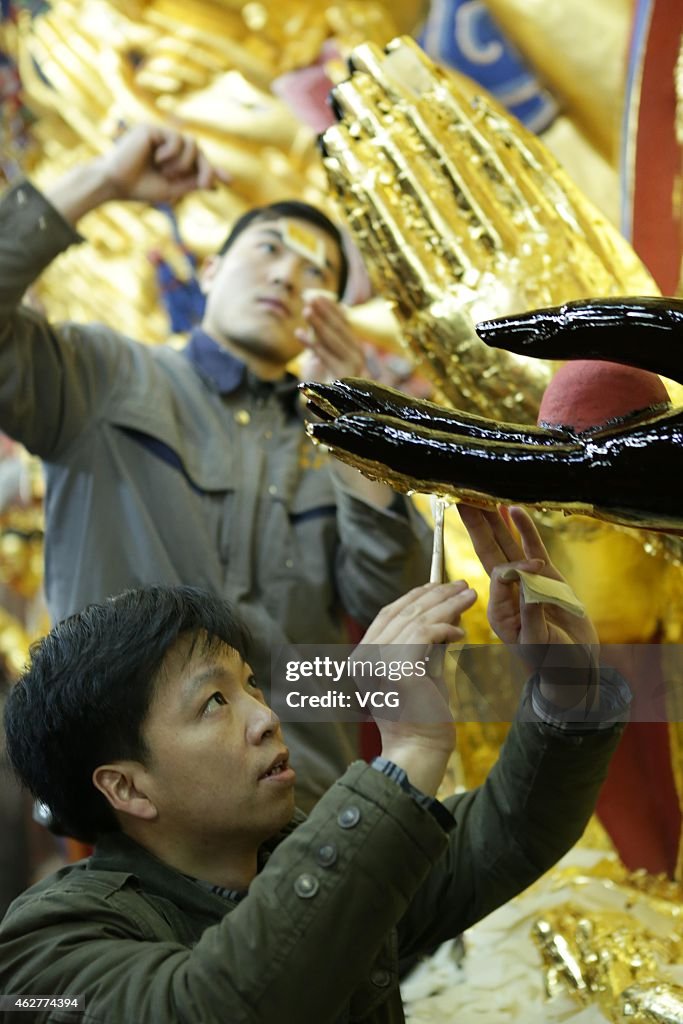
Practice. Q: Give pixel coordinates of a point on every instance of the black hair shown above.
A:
(84, 697)
(298, 211)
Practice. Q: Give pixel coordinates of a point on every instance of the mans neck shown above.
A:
(226, 864)
(261, 367)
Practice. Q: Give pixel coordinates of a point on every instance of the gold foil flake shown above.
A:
(600, 956)
(619, 953)
(661, 1004)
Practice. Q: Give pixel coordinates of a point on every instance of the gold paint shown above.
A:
(601, 564)
(463, 215)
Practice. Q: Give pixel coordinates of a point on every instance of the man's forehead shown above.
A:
(303, 237)
(192, 654)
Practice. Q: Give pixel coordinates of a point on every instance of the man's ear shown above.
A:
(207, 272)
(123, 785)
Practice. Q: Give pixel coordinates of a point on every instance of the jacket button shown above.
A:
(243, 417)
(327, 855)
(380, 977)
(349, 817)
(306, 886)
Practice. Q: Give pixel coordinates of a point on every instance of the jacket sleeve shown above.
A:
(295, 949)
(382, 554)
(533, 807)
(52, 379)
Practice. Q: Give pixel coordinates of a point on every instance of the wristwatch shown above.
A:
(428, 803)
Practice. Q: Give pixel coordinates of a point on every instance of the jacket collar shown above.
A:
(224, 370)
(117, 852)
(226, 373)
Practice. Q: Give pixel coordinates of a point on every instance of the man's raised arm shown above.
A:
(149, 164)
(48, 382)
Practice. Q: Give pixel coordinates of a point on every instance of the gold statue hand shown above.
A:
(462, 214)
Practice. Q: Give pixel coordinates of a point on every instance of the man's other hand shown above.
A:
(154, 164)
(148, 163)
(333, 351)
(568, 673)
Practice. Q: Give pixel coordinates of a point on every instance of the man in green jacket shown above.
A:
(208, 898)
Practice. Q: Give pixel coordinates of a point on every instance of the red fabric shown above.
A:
(654, 160)
(638, 804)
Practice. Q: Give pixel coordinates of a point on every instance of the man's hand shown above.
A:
(154, 164)
(150, 164)
(566, 673)
(422, 736)
(333, 352)
(332, 348)
(426, 615)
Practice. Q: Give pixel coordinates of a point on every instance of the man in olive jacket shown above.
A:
(208, 898)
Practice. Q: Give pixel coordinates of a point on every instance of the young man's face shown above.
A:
(255, 291)
(218, 768)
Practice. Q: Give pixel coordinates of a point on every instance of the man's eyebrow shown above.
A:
(195, 683)
(274, 233)
(265, 229)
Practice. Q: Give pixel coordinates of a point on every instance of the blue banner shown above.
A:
(463, 35)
